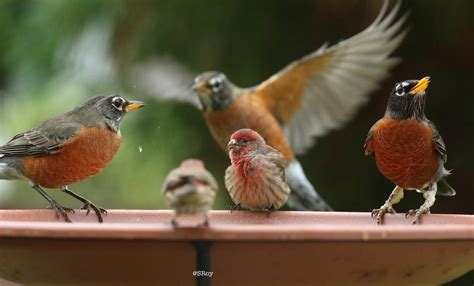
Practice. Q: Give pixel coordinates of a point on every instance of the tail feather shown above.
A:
(303, 196)
(444, 189)
(7, 169)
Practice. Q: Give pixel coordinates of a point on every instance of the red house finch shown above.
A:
(408, 149)
(308, 98)
(256, 178)
(67, 149)
(190, 189)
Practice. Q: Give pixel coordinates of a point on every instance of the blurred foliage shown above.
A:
(54, 54)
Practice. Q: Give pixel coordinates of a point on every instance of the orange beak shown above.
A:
(421, 86)
(132, 105)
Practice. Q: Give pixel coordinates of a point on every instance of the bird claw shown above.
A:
(174, 223)
(61, 211)
(235, 207)
(417, 213)
(379, 214)
(205, 223)
(269, 210)
(89, 206)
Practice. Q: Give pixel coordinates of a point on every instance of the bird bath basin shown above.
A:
(244, 248)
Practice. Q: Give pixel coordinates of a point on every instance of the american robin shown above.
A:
(408, 149)
(304, 100)
(190, 189)
(256, 177)
(67, 149)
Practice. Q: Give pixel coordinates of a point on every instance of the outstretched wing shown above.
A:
(323, 90)
(46, 139)
(165, 79)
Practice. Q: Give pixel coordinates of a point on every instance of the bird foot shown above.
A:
(379, 214)
(89, 206)
(417, 213)
(61, 211)
(174, 223)
(205, 223)
(235, 207)
(269, 210)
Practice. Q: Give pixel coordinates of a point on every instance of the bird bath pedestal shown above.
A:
(239, 248)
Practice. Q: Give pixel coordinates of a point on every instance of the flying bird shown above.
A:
(308, 98)
(408, 149)
(67, 149)
(256, 177)
(190, 189)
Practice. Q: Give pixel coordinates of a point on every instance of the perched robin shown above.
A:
(408, 149)
(67, 149)
(305, 100)
(256, 177)
(190, 189)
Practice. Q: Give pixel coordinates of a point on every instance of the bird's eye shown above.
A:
(399, 91)
(118, 102)
(244, 142)
(216, 84)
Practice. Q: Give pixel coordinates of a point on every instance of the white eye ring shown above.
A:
(216, 83)
(117, 103)
(399, 90)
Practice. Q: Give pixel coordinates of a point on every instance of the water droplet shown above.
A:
(140, 149)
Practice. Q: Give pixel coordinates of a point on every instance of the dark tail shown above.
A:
(444, 189)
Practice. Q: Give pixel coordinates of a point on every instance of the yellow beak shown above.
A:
(200, 88)
(132, 105)
(421, 86)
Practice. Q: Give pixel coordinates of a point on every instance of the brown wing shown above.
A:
(46, 139)
(438, 143)
(368, 144)
(278, 160)
(322, 91)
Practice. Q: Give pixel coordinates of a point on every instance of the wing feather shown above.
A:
(323, 90)
(40, 141)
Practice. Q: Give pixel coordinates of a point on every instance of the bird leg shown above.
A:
(60, 210)
(88, 205)
(174, 221)
(269, 210)
(394, 198)
(430, 197)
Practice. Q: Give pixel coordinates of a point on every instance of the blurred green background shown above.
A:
(54, 54)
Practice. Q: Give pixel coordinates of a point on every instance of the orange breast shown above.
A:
(404, 152)
(248, 112)
(85, 155)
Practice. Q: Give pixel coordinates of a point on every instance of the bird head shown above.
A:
(108, 108)
(214, 90)
(192, 164)
(245, 141)
(407, 100)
